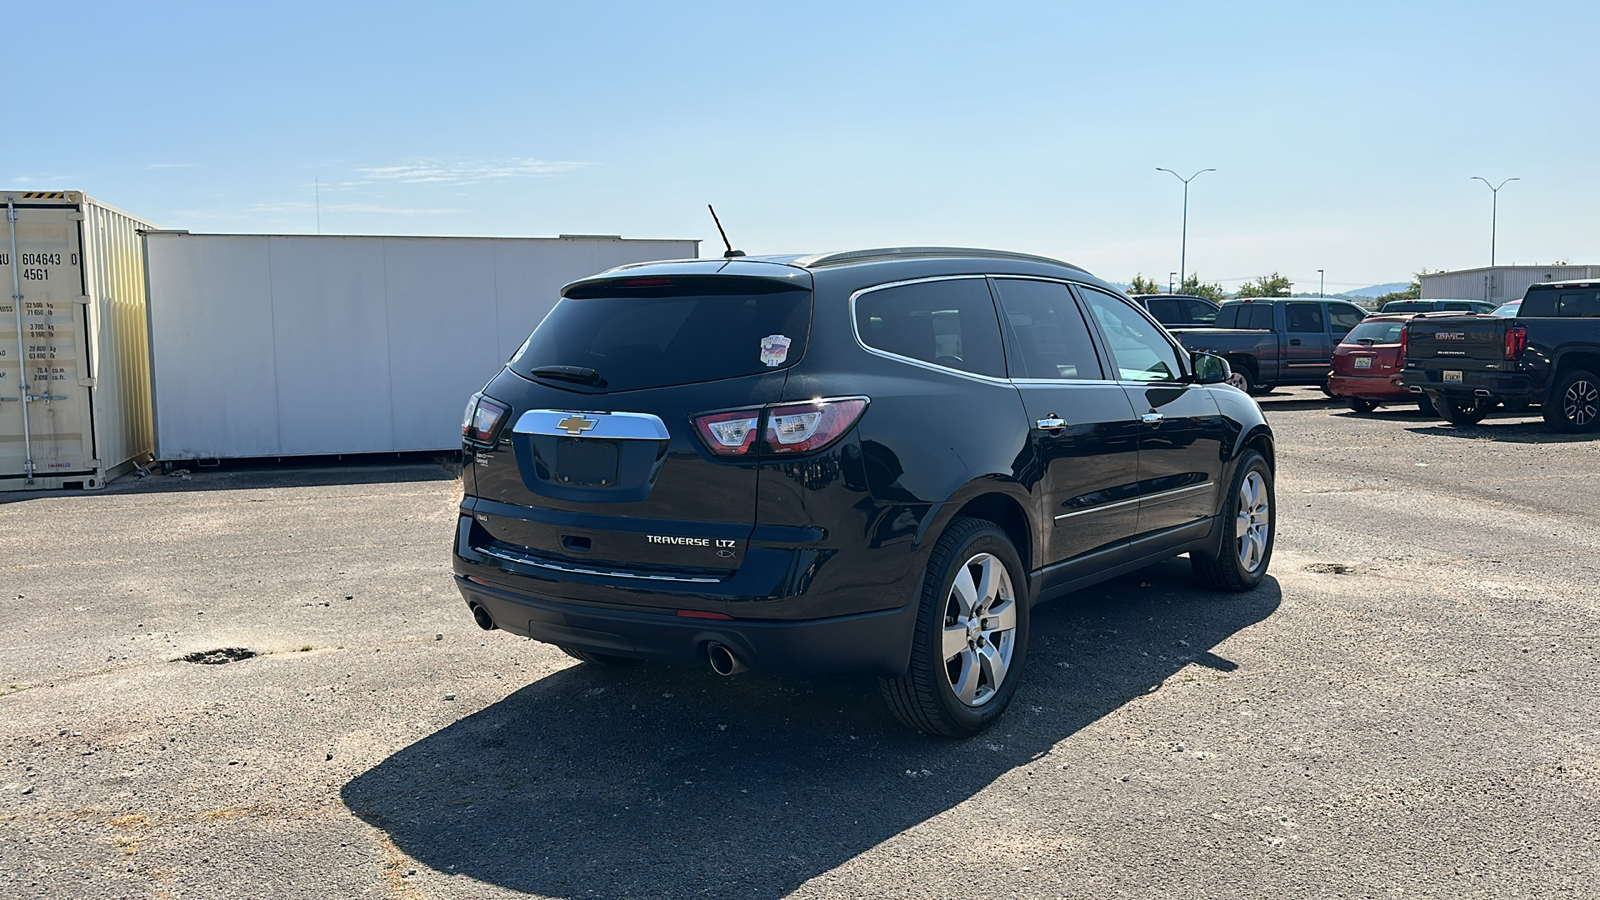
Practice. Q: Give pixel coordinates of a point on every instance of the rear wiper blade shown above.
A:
(578, 374)
(1366, 341)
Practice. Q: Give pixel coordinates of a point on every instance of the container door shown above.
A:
(44, 369)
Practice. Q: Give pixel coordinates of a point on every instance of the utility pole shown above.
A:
(317, 186)
(1319, 284)
(1183, 249)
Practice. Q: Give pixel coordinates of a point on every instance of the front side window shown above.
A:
(1052, 339)
(1305, 318)
(1345, 317)
(948, 323)
(1140, 350)
(1197, 311)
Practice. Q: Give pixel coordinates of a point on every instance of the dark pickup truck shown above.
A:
(1270, 342)
(1546, 357)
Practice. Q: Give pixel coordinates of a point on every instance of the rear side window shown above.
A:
(947, 323)
(1579, 304)
(678, 331)
(1052, 339)
(1166, 310)
(1305, 318)
(1376, 332)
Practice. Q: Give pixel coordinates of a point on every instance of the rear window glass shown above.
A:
(1538, 304)
(1198, 311)
(1376, 332)
(947, 323)
(1579, 304)
(622, 339)
(1227, 317)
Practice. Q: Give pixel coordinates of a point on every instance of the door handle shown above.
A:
(1152, 418)
(1294, 342)
(1052, 422)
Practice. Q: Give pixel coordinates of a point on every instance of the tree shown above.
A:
(1143, 285)
(1192, 286)
(1273, 285)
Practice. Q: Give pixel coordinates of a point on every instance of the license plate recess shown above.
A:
(586, 461)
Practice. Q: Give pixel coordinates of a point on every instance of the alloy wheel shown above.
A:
(1251, 527)
(1581, 403)
(980, 630)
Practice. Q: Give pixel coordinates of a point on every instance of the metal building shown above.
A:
(1497, 284)
(271, 345)
(74, 364)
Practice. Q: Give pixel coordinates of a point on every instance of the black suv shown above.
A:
(872, 461)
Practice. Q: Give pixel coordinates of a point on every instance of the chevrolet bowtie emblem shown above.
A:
(576, 424)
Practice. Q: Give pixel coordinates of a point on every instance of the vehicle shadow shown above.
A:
(668, 782)
(254, 474)
(1513, 431)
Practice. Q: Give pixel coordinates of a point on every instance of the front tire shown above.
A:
(1362, 406)
(1462, 413)
(1251, 523)
(971, 635)
(1574, 405)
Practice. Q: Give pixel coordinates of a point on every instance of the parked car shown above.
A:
(1507, 309)
(872, 462)
(1271, 342)
(1546, 357)
(1367, 365)
(1417, 306)
(1179, 310)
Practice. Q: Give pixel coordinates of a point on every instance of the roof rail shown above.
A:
(822, 260)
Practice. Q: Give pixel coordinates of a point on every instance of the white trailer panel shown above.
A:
(74, 369)
(1498, 284)
(276, 345)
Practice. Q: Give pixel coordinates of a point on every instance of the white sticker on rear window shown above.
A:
(774, 349)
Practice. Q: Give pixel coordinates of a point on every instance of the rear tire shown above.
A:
(971, 635)
(600, 659)
(1362, 406)
(1242, 378)
(1250, 523)
(1461, 414)
(1574, 405)
(1425, 406)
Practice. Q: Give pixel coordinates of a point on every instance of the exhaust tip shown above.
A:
(482, 617)
(722, 660)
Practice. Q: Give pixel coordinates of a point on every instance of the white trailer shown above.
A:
(277, 345)
(74, 365)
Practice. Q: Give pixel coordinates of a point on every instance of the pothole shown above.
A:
(219, 657)
(1331, 569)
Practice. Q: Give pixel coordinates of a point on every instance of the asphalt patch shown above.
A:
(220, 657)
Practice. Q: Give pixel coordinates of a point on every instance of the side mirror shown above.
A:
(1209, 369)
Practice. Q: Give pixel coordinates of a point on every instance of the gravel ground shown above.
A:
(1407, 708)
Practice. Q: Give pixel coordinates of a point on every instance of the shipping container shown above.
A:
(74, 356)
(315, 345)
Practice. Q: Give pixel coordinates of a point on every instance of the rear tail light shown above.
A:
(1405, 340)
(1516, 341)
(729, 433)
(790, 429)
(481, 423)
(804, 427)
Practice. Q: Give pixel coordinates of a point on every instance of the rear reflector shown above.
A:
(701, 614)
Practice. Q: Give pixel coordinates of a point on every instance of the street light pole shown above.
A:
(1494, 209)
(1169, 281)
(1183, 248)
(1319, 284)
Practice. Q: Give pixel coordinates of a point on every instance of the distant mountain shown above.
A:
(1378, 290)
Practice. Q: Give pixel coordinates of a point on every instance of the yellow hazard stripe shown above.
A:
(45, 195)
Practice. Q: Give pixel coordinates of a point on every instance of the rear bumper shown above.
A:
(1512, 388)
(878, 643)
(1367, 387)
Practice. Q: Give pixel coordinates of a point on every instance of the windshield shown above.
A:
(1507, 310)
(672, 331)
(1375, 332)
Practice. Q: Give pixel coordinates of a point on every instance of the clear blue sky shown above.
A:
(1344, 134)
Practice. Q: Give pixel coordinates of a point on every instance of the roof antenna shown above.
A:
(730, 253)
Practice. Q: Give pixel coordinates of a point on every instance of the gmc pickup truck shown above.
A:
(1269, 342)
(1546, 357)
